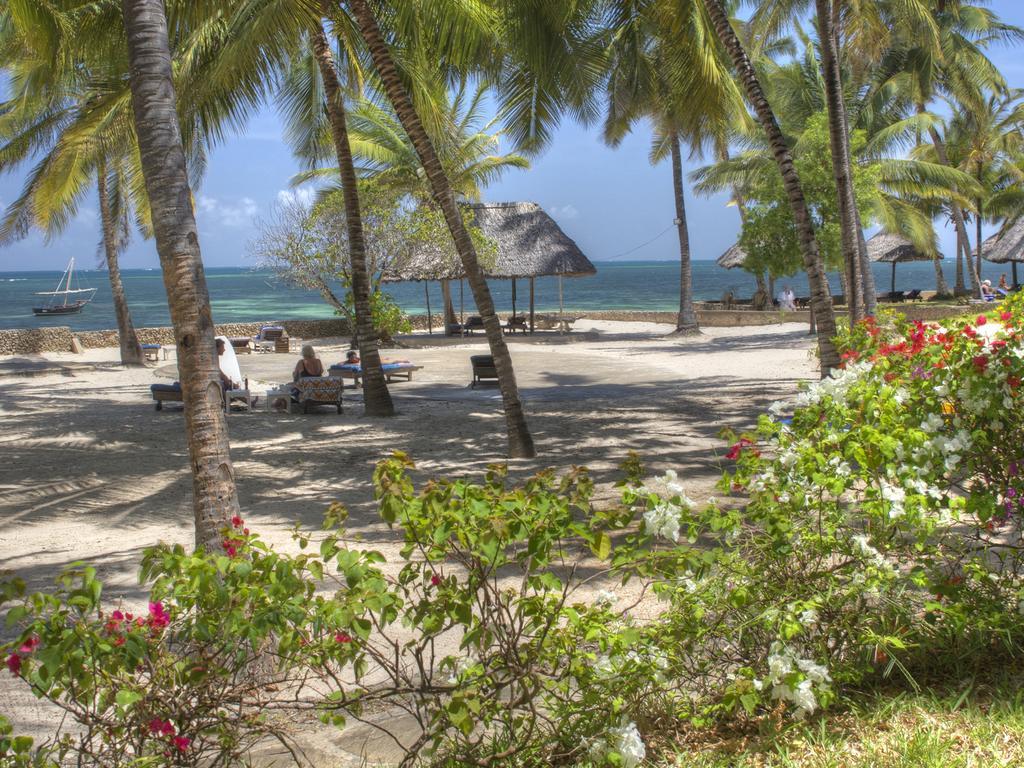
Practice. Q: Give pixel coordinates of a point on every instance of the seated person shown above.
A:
(309, 366)
(986, 291)
(226, 362)
(1003, 285)
(352, 357)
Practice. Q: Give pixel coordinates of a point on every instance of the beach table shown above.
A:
(152, 352)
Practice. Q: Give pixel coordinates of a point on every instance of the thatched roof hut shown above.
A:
(733, 257)
(1006, 245)
(529, 244)
(887, 248)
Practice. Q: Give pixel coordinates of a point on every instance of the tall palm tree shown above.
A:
(955, 67)
(520, 441)
(656, 55)
(466, 143)
(76, 119)
(821, 299)
(162, 157)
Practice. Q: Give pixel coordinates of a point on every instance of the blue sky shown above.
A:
(610, 201)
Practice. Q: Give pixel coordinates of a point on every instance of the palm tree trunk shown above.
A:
(821, 299)
(449, 309)
(977, 239)
(867, 273)
(131, 350)
(215, 500)
(963, 240)
(686, 323)
(840, 146)
(520, 442)
(376, 397)
(959, 286)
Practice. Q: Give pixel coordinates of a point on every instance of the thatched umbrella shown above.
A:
(887, 248)
(732, 258)
(1007, 245)
(529, 243)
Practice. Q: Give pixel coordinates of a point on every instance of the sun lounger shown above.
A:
(152, 352)
(473, 323)
(516, 323)
(914, 295)
(166, 393)
(314, 391)
(394, 369)
(483, 368)
(241, 345)
(272, 338)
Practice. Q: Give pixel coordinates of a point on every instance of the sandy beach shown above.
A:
(91, 472)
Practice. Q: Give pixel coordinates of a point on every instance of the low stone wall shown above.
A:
(27, 341)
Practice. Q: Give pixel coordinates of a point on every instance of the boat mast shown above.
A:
(67, 284)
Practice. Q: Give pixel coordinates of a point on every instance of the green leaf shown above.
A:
(601, 546)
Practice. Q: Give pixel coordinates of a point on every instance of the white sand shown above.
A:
(89, 471)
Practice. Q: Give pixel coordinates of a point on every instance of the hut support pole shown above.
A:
(1014, 267)
(513, 297)
(430, 319)
(892, 285)
(561, 308)
(462, 304)
(531, 298)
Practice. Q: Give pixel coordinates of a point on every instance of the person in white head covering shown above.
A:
(986, 290)
(230, 373)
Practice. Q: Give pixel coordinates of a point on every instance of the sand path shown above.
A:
(89, 471)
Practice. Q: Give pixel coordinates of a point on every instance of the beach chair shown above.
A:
(166, 393)
(314, 391)
(516, 323)
(271, 338)
(914, 295)
(241, 345)
(483, 368)
(152, 352)
(393, 369)
(473, 323)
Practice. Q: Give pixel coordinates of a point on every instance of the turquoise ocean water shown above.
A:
(243, 295)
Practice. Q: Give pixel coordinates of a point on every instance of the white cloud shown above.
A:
(303, 196)
(567, 211)
(238, 214)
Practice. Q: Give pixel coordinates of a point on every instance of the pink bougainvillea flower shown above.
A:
(229, 547)
(14, 664)
(29, 645)
(343, 637)
(182, 743)
(158, 617)
(981, 320)
(435, 579)
(737, 449)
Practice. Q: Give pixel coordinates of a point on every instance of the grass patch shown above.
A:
(969, 727)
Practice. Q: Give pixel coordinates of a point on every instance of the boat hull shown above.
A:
(60, 309)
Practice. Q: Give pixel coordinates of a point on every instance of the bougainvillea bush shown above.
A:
(869, 529)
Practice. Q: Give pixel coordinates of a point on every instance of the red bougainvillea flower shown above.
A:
(182, 743)
(435, 579)
(159, 727)
(14, 664)
(980, 363)
(29, 645)
(237, 522)
(737, 449)
(229, 547)
(981, 320)
(342, 637)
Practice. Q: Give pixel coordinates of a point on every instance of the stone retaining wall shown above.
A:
(58, 339)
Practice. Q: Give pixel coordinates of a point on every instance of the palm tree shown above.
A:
(955, 66)
(655, 57)
(466, 143)
(520, 441)
(821, 299)
(77, 120)
(162, 157)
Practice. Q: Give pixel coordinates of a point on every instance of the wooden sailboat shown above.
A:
(68, 306)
